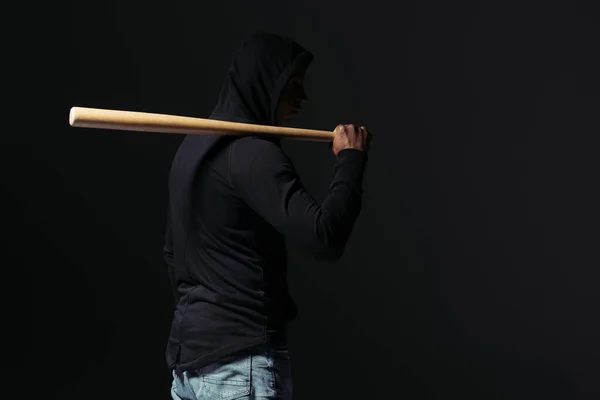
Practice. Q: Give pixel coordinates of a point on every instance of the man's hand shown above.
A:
(351, 137)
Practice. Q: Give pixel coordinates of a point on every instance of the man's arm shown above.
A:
(265, 178)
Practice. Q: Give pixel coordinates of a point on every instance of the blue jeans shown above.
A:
(263, 374)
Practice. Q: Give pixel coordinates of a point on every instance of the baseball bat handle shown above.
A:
(85, 117)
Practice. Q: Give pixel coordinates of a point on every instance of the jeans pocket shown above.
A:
(226, 381)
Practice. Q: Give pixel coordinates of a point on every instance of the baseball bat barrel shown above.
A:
(85, 117)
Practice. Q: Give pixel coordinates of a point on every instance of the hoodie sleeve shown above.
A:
(265, 178)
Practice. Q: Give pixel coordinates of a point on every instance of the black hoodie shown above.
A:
(232, 201)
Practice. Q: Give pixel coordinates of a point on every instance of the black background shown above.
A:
(472, 271)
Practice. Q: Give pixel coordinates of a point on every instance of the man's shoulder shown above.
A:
(256, 152)
(257, 145)
(259, 141)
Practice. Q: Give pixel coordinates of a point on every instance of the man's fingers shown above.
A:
(352, 131)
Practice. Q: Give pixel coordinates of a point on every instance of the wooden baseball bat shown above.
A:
(85, 117)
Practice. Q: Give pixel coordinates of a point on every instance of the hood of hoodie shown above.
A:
(260, 69)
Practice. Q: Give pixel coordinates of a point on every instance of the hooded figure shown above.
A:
(233, 200)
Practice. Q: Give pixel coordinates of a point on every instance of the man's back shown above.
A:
(233, 290)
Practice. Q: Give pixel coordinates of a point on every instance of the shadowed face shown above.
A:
(291, 100)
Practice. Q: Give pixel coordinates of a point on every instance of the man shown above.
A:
(232, 202)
